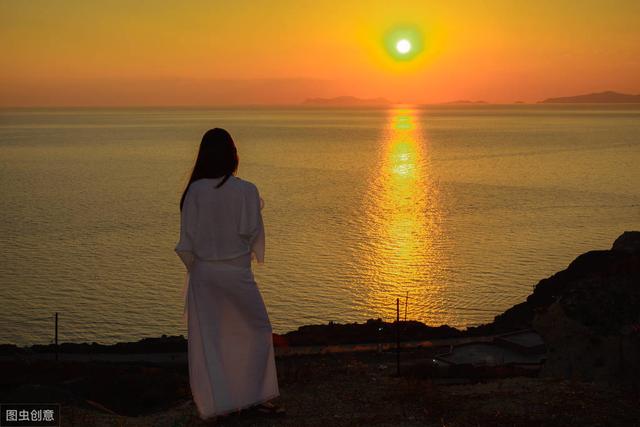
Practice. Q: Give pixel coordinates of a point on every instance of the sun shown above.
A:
(403, 46)
(403, 42)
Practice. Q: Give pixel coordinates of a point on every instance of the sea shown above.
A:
(445, 214)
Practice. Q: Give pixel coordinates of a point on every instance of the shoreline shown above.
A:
(623, 254)
(370, 334)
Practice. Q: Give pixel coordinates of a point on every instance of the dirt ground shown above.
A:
(359, 389)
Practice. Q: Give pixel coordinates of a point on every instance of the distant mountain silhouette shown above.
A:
(600, 97)
(346, 101)
(465, 101)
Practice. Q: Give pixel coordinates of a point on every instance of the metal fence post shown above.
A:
(56, 336)
(398, 336)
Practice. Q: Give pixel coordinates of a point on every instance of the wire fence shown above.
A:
(412, 307)
(400, 307)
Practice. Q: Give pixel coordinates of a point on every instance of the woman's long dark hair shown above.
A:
(217, 157)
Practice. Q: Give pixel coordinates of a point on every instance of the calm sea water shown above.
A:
(461, 208)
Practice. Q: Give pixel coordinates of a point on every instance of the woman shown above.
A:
(230, 347)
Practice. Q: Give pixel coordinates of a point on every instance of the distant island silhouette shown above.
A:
(346, 101)
(465, 101)
(600, 97)
(606, 97)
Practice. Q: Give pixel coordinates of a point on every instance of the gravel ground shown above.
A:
(362, 389)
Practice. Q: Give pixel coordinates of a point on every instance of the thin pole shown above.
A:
(56, 336)
(398, 336)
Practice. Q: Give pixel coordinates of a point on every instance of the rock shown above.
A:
(372, 331)
(591, 327)
(628, 242)
(609, 277)
(578, 352)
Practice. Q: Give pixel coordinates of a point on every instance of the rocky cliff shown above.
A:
(601, 289)
(589, 316)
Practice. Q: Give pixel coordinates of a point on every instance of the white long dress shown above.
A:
(230, 346)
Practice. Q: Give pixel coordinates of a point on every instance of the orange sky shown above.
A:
(251, 52)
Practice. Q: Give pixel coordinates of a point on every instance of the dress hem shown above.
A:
(240, 408)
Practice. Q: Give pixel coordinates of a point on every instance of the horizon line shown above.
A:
(302, 105)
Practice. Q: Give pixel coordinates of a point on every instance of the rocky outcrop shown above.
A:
(628, 242)
(372, 331)
(578, 352)
(613, 275)
(591, 324)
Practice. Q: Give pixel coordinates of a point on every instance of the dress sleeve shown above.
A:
(188, 221)
(251, 224)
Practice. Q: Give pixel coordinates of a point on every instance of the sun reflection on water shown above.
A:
(402, 252)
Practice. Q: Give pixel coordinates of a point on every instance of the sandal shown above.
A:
(269, 408)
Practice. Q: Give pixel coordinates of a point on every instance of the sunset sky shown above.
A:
(130, 53)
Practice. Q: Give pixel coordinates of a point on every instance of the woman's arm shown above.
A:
(188, 221)
(251, 223)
